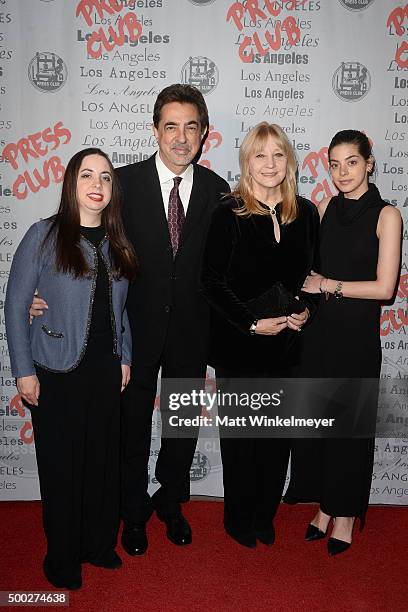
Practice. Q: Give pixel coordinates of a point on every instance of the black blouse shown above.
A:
(101, 325)
(242, 260)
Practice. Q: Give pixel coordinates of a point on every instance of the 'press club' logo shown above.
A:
(356, 5)
(351, 81)
(200, 468)
(200, 72)
(47, 71)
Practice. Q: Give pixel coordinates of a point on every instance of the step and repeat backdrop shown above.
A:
(85, 73)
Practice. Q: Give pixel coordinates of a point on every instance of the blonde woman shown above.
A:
(260, 235)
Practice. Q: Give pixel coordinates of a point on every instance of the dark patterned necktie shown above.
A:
(176, 215)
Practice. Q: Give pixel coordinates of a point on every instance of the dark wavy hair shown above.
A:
(184, 94)
(65, 227)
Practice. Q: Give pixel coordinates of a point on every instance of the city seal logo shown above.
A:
(200, 72)
(351, 81)
(200, 468)
(356, 5)
(47, 71)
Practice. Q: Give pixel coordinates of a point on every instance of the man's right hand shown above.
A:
(37, 307)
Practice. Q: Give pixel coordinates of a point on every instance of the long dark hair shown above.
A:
(65, 228)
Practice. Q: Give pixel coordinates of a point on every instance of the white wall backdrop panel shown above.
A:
(318, 66)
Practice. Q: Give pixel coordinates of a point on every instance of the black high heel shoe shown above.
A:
(314, 533)
(335, 546)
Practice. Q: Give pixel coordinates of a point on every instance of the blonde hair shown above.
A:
(253, 142)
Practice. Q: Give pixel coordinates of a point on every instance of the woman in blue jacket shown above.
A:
(72, 363)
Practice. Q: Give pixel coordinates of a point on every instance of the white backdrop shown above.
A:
(80, 73)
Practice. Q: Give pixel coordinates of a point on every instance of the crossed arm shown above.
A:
(389, 236)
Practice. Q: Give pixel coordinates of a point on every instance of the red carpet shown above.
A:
(215, 574)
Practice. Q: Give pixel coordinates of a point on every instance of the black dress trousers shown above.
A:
(175, 455)
(254, 469)
(76, 429)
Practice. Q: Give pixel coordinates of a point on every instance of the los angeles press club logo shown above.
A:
(47, 71)
(351, 81)
(201, 72)
(200, 468)
(356, 5)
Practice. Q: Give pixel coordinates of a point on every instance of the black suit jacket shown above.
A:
(164, 300)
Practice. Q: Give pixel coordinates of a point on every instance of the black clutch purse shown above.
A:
(275, 302)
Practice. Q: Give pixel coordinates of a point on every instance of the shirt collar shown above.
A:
(166, 175)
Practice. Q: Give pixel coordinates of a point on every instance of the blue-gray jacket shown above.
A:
(57, 340)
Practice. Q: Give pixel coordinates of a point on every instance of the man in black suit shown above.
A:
(166, 219)
(169, 318)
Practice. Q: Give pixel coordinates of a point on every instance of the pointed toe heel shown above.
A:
(336, 547)
(314, 533)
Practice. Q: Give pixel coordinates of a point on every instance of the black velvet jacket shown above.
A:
(242, 260)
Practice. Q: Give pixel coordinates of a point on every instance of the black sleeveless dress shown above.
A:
(343, 341)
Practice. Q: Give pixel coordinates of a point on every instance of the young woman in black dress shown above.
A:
(359, 263)
(261, 234)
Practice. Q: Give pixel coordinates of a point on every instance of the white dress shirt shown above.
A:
(166, 177)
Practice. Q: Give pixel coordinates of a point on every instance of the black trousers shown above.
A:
(175, 455)
(254, 470)
(76, 429)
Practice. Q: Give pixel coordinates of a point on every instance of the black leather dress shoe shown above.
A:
(178, 529)
(266, 536)
(314, 533)
(110, 560)
(247, 539)
(335, 546)
(62, 580)
(134, 539)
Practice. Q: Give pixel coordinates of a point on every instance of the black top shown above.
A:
(344, 338)
(242, 260)
(101, 325)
